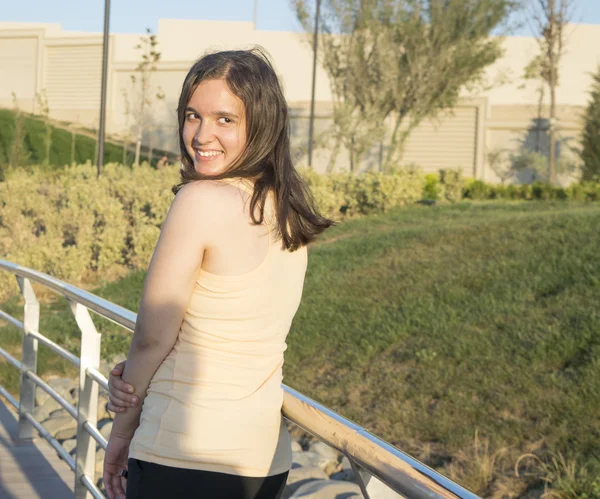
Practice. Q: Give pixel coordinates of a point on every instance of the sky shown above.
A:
(134, 16)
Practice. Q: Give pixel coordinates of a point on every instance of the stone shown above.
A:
(70, 446)
(105, 429)
(67, 433)
(324, 450)
(299, 476)
(54, 425)
(327, 489)
(58, 412)
(103, 412)
(296, 447)
(347, 475)
(42, 412)
(66, 387)
(346, 472)
(99, 461)
(310, 458)
(104, 368)
(41, 396)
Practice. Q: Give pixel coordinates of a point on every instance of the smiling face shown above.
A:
(214, 131)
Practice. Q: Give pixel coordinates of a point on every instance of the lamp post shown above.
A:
(100, 158)
(311, 123)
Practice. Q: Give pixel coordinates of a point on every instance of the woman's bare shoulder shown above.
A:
(208, 193)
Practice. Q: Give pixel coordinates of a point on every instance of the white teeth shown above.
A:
(208, 153)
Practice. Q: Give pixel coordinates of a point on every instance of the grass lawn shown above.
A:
(467, 335)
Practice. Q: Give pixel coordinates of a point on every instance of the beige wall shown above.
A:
(67, 65)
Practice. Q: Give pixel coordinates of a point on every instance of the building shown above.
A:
(67, 66)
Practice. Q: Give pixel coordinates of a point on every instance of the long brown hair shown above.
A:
(266, 158)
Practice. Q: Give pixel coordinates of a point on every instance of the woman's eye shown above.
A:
(225, 120)
(191, 116)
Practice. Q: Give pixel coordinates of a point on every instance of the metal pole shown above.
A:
(100, 158)
(255, 18)
(311, 123)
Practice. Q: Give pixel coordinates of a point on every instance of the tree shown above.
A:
(144, 95)
(393, 63)
(499, 162)
(18, 152)
(549, 18)
(590, 142)
(42, 102)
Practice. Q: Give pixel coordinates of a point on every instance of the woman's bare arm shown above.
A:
(186, 234)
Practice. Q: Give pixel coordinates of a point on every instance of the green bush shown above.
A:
(72, 225)
(453, 184)
(477, 190)
(76, 226)
(432, 188)
(590, 145)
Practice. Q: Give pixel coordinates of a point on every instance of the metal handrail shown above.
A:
(368, 455)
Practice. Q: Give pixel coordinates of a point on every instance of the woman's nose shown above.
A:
(205, 133)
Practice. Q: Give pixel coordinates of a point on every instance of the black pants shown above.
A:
(153, 481)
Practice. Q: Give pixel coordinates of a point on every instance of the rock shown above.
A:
(54, 425)
(310, 459)
(42, 412)
(67, 433)
(58, 412)
(66, 387)
(346, 472)
(105, 368)
(41, 396)
(70, 446)
(327, 489)
(324, 450)
(103, 412)
(346, 475)
(296, 447)
(299, 476)
(307, 460)
(99, 461)
(105, 429)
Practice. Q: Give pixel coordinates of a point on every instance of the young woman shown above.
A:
(221, 291)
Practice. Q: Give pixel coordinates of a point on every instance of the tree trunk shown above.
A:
(150, 146)
(96, 147)
(538, 128)
(138, 148)
(73, 146)
(552, 162)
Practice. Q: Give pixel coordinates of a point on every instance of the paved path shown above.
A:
(32, 470)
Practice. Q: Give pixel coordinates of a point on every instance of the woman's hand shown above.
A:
(115, 460)
(120, 393)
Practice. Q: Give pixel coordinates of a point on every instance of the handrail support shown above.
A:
(362, 477)
(31, 322)
(87, 411)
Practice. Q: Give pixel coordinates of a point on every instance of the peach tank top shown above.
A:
(215, 402)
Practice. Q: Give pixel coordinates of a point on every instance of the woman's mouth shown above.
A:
(207, 155)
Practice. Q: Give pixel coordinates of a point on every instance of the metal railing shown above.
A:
(372, 459)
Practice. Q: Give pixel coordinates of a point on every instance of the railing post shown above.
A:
(31, 322)
(88, 399)
(362, 477)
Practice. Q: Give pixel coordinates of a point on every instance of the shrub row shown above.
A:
(77, 227)
(60, 151)
(450, 186)
(478, 190)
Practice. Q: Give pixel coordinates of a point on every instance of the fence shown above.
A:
(371, 458)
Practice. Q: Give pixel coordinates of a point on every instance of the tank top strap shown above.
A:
(247, 186)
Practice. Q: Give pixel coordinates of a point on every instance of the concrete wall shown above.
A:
(67, 66)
